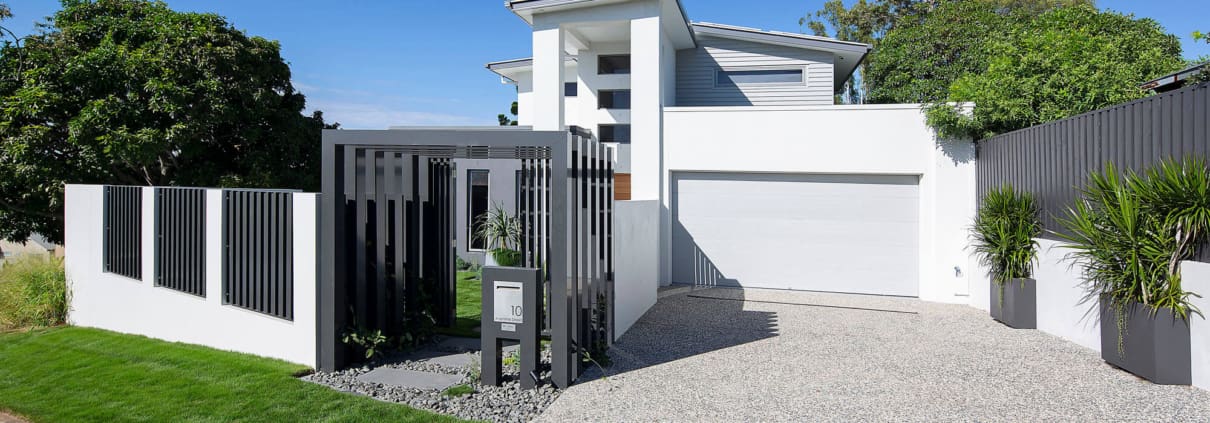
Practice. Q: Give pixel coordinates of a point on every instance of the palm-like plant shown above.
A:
(1130, 232)
(502, 234)
(1004, 231)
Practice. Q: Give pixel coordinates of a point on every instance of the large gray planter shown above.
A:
(1018, 308)
(1155, 347)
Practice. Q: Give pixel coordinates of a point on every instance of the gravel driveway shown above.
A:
(751, 355)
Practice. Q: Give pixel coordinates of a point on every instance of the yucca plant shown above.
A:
(502, 234)
(1131, 231)
(1004, 231)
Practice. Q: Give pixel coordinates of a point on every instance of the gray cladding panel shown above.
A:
(1053, 160)
(697, 67)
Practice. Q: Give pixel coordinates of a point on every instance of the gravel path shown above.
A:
(711, 356)
(505, 403)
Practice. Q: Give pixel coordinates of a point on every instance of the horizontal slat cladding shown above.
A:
(180, 234)
(258, 253)
(122, 247)
(696, 69)
(1053, 160)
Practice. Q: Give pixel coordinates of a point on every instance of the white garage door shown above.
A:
(840, 233)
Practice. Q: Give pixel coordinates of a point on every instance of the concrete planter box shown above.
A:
(1154, 347)
(1018, 308)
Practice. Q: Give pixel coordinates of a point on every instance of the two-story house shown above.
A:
(730, 139)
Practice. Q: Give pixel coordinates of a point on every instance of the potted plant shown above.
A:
(1003, 238)
(502, 234)
(1129, 235)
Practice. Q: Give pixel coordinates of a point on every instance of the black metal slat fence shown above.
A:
(1053, 160)
(180, 236)
(123, 232)
(258, 253)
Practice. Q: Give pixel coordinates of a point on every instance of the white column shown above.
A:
(547, 97)
(646, 111)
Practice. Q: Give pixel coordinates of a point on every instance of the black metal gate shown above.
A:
(388, 231)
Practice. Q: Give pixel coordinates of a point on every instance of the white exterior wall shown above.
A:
(1063, 311)
(883, 139)
(1195, 277)
(635, 244)
(117, 303)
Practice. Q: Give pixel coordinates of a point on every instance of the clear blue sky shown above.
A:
(371, 64)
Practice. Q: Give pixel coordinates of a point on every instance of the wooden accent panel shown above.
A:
(621, 186)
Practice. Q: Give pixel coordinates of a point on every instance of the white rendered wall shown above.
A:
(637, 277)
(1195, 277)
(872, 139)
(117, 303)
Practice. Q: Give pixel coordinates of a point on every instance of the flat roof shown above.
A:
(1174, 80)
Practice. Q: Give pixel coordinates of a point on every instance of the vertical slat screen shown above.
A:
(258, 253)
(180, 236)
(123, 234)
(1053, 160)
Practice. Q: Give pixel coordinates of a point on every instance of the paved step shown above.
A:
(410, 378)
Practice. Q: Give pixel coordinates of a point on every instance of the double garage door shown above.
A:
(839, 233)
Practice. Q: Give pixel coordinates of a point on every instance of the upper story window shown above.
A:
(733, 77)
(613, 99)
(608, 64)
(619, 133)
(570, 89)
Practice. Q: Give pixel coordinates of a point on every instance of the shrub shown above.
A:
(33, 293)
(1131, 231)
(1003, 233)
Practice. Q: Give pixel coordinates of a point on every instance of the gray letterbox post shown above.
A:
(510, 312)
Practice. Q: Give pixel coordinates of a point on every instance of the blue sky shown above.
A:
(371, 64)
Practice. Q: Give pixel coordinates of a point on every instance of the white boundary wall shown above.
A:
(117, 303)
(888, 139)
(637, 274)
(1062, 311)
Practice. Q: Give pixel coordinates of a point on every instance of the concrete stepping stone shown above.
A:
(410, 378)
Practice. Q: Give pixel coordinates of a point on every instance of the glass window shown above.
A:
(477, 201)
(619, 133)
(570, 89)
(767, 76)
(613, 64)
(613, 99)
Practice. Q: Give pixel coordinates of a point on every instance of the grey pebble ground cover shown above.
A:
(710, 355)
(506, 403)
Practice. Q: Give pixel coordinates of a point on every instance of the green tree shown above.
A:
(1065, 62)
(132, 92)
(917, 42)
(507, 121)
(1204, 75)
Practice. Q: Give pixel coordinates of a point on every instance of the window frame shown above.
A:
(571, 89)
(600, 64)
(601, 132)
(719, 72)
(601, 96)
(470, 217)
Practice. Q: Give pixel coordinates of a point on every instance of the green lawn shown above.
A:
(469, 308)
(77, 374)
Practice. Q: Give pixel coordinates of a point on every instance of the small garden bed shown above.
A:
(466, 398)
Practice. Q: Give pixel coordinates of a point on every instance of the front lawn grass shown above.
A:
(469, 293)
(78, 374)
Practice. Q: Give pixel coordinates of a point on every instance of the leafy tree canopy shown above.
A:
(938, 31)
(1065, 62)
(132, 92)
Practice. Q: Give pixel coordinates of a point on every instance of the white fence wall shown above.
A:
(637, 272)
(1063, 311)
(117, 303)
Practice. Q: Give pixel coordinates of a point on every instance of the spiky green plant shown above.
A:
(1004, 231)
(1130, 232)
(498, 229)
(502, 234)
